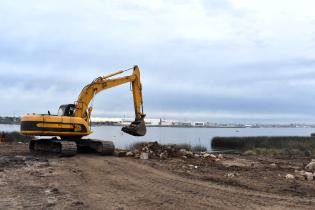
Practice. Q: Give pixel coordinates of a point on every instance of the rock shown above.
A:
(183, 151)
(206, 155)
(144, 156)
(299, 177)
(189, 154)
(120, 153)
(191, 166)
(209, 156)
(310, 166)
(196, 156)
(289, 176)
(184, 157)
(51, 201)
(23, 158)
(273, 165)
(309, 176)
(220, 156)
(163, 156)
(217, 159)
(129, 154)
(230, 175)
(196, 167)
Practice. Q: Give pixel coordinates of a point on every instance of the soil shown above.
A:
(90, 181)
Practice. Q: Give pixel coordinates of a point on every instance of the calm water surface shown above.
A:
(192, 136)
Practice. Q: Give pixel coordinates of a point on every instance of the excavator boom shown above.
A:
(82, 109)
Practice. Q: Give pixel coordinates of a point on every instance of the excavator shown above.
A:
(73, 121)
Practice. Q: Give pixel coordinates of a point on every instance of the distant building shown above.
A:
(199, 124)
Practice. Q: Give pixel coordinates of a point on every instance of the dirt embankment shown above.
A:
(89, 181)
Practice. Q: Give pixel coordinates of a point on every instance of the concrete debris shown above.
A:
(273, 165)
(160, 151)
(306, 175)
(129, 154)
(209, 156)
(163, 156)
(311, 166)
(189, 154)
(206, 155)
(144, 156)
(230, 175)
(51, 201)
(196, 156)
(309, 176)
(289, 176)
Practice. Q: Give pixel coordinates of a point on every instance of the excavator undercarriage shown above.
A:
(68, 148)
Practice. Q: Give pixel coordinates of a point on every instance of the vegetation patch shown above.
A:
(289, 145)
(10, 137)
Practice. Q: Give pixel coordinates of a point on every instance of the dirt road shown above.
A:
(89, 181)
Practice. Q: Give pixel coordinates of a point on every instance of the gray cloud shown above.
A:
(215, 60)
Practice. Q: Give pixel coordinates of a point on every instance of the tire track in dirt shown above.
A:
(119, 182)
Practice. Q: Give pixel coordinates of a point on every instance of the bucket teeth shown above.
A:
(136, 128)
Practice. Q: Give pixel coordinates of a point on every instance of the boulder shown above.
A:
(309, 176)
(311, 166)
(289, 176)
(220, 156)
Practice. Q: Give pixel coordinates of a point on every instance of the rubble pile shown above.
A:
(154, 150)
(308, 175)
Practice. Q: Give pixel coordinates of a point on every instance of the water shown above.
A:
(191, 136)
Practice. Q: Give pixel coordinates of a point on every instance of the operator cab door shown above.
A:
(66, 114)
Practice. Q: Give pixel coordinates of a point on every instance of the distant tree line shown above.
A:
(10, 120)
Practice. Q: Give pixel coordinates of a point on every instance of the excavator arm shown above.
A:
(83, 110)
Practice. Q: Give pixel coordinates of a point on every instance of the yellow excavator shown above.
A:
(74, 120)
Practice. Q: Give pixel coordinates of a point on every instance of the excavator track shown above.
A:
(101, 147)
(62, 148)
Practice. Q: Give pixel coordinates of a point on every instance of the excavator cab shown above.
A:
(66, 110)
(136, 128)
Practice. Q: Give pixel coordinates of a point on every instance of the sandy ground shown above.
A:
(89, 181)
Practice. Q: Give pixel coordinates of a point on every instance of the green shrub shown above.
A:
(248, 143)
(14, 136)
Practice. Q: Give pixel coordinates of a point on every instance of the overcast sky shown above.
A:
(211, 60)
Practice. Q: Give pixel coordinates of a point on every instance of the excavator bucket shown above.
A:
(136, 128)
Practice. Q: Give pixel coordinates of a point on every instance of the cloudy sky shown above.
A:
(214, 60)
